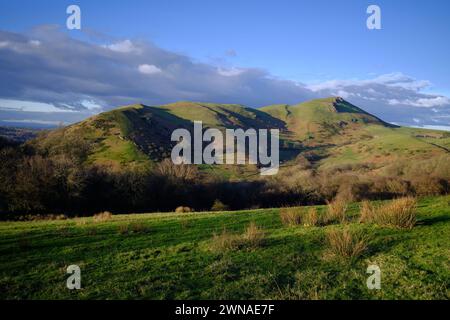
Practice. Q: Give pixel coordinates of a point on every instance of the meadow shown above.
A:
(252, 254)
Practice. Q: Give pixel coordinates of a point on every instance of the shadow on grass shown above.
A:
(432, 220)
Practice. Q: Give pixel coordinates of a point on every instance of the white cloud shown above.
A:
(72, 75)
(435, 101)
(29, 106)
(125, 46)
(230, 72)
(91, 105)
(149, 69)
(395, 79)
(35, 43)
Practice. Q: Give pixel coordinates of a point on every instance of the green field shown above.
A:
(169, 256)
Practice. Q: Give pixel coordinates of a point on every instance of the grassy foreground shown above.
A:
(169, 256)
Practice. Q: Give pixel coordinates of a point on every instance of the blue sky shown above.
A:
(307, 42)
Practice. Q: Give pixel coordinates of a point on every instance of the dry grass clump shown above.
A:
(182, 209)
(224, 241)
(311, 218)
(80, 221)
(253, 236)
(298, 216)
(123, 229)
(336, 211)
(135, 227)
(102, 216)
(367, 212)
(399, 213)
(290, 216)
(345, 243)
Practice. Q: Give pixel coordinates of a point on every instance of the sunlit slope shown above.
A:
(336, 133)
(329, 132)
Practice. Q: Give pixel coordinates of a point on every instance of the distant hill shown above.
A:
(328, 132)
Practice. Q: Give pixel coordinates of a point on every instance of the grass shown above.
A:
(169, 256)
(346, 244)
(399, 213)
(102, 216)
(336, 211)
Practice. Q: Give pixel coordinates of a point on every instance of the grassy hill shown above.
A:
(174, 256)
(329, 132)
(341, 133)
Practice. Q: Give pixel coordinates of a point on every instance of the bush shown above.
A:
(345, 243)
(219, 206)
(290, 216)
(103, 216)
(336, 211)
(399, 213)
(182, 209)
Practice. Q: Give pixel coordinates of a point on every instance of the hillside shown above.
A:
(340, 133)
(171, 256)
(328, 132)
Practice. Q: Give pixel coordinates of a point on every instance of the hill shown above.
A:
(328, 132)
(340, 133)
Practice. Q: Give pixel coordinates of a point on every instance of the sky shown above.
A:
(249, 52)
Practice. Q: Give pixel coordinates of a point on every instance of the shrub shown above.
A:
(182, 209)
(336, 211)
(345, 243)
(219, 206)
(399, 213)
(311, 218)
(103, 216)
(253, 236)
(290, 216)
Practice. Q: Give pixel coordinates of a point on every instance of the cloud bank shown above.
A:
(67, 75)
